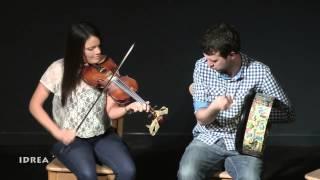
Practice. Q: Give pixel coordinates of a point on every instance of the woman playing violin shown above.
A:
(94, 141)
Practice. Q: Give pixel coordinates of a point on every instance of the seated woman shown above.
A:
(79, 149)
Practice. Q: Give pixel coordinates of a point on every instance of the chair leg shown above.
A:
(52, 175)
(111, 177)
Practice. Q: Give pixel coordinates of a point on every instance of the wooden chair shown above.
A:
(57, 171)
(313, 175)
(222, 175)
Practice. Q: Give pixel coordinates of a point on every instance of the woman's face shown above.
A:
(92, 51)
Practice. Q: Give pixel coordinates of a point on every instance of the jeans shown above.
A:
(82, 154)
(200, 161)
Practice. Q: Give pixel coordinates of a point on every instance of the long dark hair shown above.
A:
(77, 36)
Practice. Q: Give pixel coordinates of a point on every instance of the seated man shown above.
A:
(222, 79)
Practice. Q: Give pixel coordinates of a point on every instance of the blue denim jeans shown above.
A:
(200, 161)
(82, 154)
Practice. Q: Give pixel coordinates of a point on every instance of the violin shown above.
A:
(122, 88)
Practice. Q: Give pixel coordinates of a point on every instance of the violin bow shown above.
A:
(118, 68)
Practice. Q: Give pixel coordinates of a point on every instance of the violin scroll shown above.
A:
(158, 116)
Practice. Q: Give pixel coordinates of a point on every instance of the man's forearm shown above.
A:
(206, 115)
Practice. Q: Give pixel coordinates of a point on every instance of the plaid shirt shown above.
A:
(208, 84)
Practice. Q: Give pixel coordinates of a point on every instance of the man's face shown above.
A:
(217, 62)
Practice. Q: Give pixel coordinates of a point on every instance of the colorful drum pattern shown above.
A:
(255, 131)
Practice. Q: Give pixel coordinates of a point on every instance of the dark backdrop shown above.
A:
(283, 35)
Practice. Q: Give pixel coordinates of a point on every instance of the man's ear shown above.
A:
(232, 54)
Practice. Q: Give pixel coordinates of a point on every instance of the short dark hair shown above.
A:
(220, 37)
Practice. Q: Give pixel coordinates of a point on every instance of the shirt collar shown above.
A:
(239, 75)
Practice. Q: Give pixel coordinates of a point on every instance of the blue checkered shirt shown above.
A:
(208, 84)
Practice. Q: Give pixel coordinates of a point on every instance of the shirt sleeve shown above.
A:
(283, 110)
(52, 77)
(199, 90)
(198, 105)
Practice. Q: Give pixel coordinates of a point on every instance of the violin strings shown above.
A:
(128, 90)
(131, 92)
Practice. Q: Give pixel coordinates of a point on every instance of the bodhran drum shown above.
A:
(254, 124)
